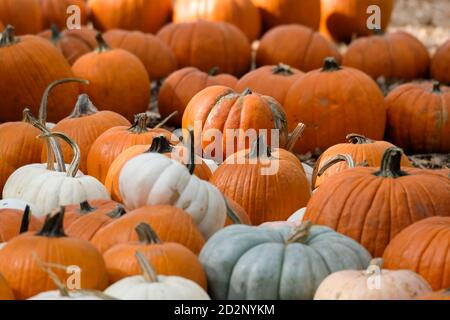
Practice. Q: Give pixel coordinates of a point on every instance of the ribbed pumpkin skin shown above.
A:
(55, 12)
(243, 262)
(276, 12)
(270, 81)
(241, 13)
(146, 16)
(341, 19)
(221, 108)
(424, 248)
(417, 118)
(399, 55)
(163, 218)
(156, 56)
(10, 221)
(73, 43)
(182, 85)
(303, 48)
(440, 63)
(333, 104)
(27, 68)
(30, 19)
(372, 209)
(5, 291)
(6, 169)
(226, 47)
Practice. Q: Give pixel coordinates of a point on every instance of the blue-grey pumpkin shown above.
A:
(244, 262)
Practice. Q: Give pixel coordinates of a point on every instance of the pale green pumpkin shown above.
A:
(244, 262)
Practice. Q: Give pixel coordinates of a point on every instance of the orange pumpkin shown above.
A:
(113, 87)
(240, 216)
(168, 258)
(21, 258)
(226, 47)
(277, 12)
(182, 85)
(25, 76)
(330, 117)
(55, 12)
(5, 291)
(110, 144)
(342, 20)
(163, 218)
(241, 13)
(424, 247)
(146, 16)
(160, 145)
(417, 117)
(399, 56)
(372, 205)
(363, 151)
(440, 63)
(72, 43)
(6, 169)
(156, 56)
(273, 81)
(84, 125)
(25, 15)
(14, 222)
(303, 48)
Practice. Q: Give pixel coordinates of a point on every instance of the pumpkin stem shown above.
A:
(329, 163)
(102, 45)
(117, 212)
(140, 123)
(147, 269)
(231, 213)
(246, 92)
(56, 35)
(260, 148)
(25, 223)
(282, 69)
(390, 164)
(436, 87)
(300, 233)
(160, 145)
(191, 163)
(84, 107)
(330, 64)
(146, 234)
(375, 266)
(164, 121)
(53, 225)
(295, 135)
(86, 208)
(75, 164)
(63, 291)
(358, 139)
(8, 36)
(213, 71)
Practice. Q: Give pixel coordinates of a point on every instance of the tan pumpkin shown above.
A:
(440, 63)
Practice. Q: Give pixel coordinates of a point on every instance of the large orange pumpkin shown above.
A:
(333, 102)
(6, 169)
(168, 258)
(417, 117)
(25, 15)
(72, 43)
(440, 63)
(242, 13)
(5, 291)
(295, 45)
(424, 247)
(344, 19)
(277, 12)
(156, 56)
(14, 222)
(273, 81)
(398, 56)
(146, 16)
(55, 12)
(163, 218)
(182, 85)
(29, 65)
(113, 87)
(84, 125)
(373, 205)
(20, 265)
(205, 45)
(110, 144)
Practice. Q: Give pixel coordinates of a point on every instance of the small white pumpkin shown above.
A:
(297, 216)
(71, 295)
(48, 189)
(374, 283)
(150, 286)
(16, 204)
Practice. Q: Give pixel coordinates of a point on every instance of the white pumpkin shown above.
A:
(152, 178)
(72, 295)
(150, 286)
(297, 216)
(16, 204)
(374, 283)
(48, 189)
(309, 173)
(212, 165)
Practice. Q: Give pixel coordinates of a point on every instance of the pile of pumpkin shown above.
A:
(102, 201)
